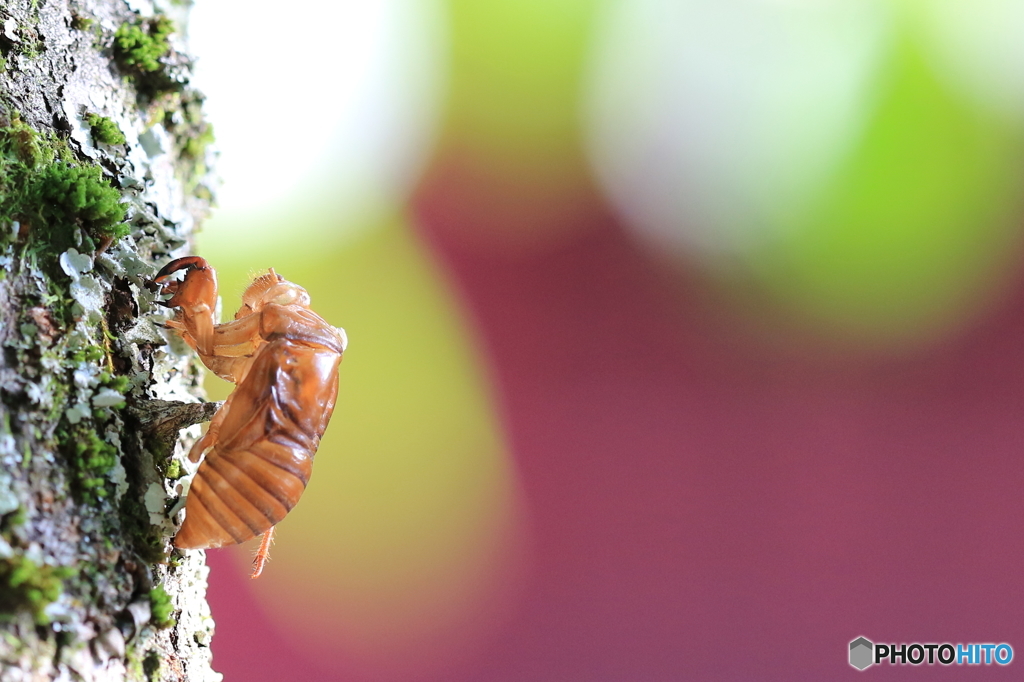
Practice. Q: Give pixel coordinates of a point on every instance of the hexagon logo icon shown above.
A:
(860, 653)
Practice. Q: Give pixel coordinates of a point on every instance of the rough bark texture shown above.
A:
(91, 388)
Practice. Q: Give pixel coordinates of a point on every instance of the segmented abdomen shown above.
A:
(263, 456)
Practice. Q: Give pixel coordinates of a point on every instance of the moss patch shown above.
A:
(174, 471)
(50, 194)
(104, 130)
(27, 585)
(91, 458)
(21, 143)
(144, 537)
(192, 134)
(142, 50)
(70, 195)
(151, 665)
(160, 607)
(80, 23)
(138, 46)
(195, 146)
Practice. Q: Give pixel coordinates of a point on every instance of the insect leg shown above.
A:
(263, 553)
(237, 338)
(195, 295)
(209, 439)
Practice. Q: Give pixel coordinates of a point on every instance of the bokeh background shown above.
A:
(686, 337)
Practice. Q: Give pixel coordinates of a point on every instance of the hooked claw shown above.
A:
(195, 296)
(187, 263)
(194, 287)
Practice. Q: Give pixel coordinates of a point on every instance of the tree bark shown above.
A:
(103, 177)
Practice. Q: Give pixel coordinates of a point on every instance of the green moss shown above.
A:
(91, 458)
(88, 354)
(151, 665)
(104, 130)
(19, 143)
(160, 607)
(72, 195)
(144, 537)
(14, 519)
(192, 135)
(27, 585)
(121, 384)
(80, 23)
(174, 471)
(43, 187)
(140, 45)
(195, 147)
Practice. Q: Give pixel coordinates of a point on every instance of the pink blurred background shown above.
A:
(671, 357)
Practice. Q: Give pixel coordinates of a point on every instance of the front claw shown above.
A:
(197, 271)
(195, 296)
(186, 263)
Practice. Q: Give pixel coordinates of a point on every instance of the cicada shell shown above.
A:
(257, 456)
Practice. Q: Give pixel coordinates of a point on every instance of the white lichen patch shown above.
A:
(8, 496)
(107, 397)
(156, 500)
(89, 294)
(77, 413)
(75, 264)
(40, 393)
(120, 478)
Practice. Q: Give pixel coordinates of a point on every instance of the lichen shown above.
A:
(104, 130)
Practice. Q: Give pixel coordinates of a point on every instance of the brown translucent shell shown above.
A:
(260, 446)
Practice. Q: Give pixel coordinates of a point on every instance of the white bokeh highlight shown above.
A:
(977, 47)
(713, 126)
(324, 106)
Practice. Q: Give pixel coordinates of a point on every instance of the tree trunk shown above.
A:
(102, 178)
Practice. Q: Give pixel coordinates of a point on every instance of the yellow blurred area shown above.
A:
(510, 136)
(515, 75)
(405, 545)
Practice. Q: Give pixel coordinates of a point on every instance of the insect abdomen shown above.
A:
(260, 466)
(240, 494)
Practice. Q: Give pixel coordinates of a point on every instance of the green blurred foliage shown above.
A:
(919, 224)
